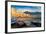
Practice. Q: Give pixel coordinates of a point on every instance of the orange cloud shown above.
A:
(14, 13)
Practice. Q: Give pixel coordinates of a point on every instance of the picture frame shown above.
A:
(8, 28)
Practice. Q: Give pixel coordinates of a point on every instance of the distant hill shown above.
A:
(33, 13)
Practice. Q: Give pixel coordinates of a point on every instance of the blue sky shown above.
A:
(32, 8)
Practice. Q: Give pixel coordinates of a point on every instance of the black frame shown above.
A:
(22, 2)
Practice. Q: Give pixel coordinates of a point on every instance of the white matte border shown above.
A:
(24, 29)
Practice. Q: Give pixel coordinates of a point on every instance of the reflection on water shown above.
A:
(18, 22)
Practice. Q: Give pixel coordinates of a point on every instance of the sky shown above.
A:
(27, 8)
